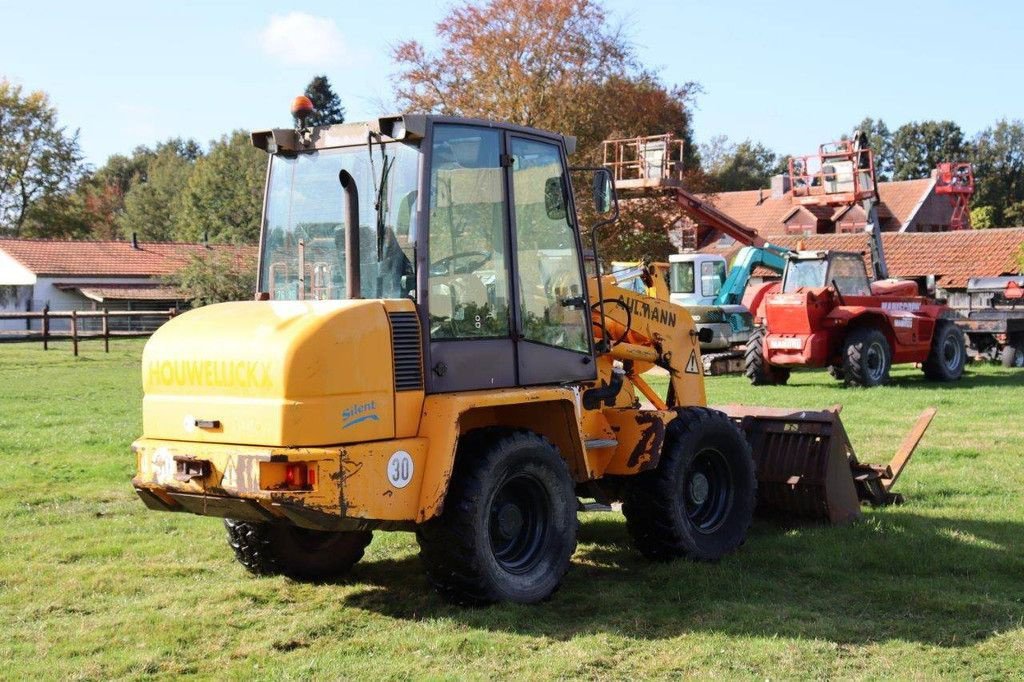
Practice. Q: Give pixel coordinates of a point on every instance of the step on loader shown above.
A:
(427, 353)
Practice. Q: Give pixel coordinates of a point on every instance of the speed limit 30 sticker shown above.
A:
(400, 469)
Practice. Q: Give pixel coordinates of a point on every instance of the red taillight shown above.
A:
(311, 476)
(295, 475)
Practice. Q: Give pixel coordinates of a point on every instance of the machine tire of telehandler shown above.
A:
(948, 354)
(867, 358)
(756, 368)
(299, 553)
(508, 527)
(699, 501)
(1012, 355)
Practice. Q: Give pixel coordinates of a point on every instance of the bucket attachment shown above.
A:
(806, 466)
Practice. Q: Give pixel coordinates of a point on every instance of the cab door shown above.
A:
(551, 319)
(468, 287)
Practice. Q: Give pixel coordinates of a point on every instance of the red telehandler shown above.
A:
(830, 314)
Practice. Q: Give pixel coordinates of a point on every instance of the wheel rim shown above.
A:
(874, 361)
(1018, 358)
(708, 494)
(518, 523)
(951, 352)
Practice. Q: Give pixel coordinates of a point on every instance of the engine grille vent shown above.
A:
(407, 351)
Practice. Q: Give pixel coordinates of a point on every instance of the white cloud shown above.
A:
(302, 39)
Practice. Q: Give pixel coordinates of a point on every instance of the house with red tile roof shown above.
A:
(904, 206)
(92, 275)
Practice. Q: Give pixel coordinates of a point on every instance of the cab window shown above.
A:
(468, 280)
(550, 285)
(712, 275)
(849, 275)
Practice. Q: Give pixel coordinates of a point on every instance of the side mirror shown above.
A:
(554, 198)
(604, 191)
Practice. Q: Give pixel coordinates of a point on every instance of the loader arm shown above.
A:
(650, 331)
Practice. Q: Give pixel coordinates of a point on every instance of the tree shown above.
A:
(223, 196)
(154, 201)
(748, 165)
(215, 278)
(557, 65)
(552, 64)
(983, 217)
(39, 160)
(917, 148)
(998, 158)
(325, 101)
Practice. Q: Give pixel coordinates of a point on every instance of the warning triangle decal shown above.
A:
(692, 366)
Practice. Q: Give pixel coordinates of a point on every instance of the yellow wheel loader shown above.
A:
(427, 354)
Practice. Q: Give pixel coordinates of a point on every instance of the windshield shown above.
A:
(681, 278)
(804, 273)
(304, 240)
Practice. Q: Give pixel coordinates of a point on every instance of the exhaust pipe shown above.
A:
(353, 290)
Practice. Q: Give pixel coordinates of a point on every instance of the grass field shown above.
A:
(93, 585)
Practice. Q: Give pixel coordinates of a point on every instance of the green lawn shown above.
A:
(93, 585)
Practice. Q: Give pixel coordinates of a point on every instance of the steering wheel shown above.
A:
(445, 266)
(596, 310)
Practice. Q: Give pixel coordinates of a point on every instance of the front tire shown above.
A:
(299, 553)
(699, 501)
(756, 368)
(508, 528)
(867, 358)
(948, 353)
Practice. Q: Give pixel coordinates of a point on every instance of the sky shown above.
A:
(790, 75)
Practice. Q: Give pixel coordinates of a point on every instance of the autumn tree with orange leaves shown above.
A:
(552, 64)
(558, 65)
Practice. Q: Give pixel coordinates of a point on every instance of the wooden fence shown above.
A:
(77, 318)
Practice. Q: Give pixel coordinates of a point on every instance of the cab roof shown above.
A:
(390, 128)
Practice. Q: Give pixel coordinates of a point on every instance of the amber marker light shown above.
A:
(302, 107)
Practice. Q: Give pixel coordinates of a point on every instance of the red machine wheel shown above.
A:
(948, 353)
(867, 358)
(756, 368)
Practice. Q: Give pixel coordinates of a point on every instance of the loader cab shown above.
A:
(819, 269)
(472, 220)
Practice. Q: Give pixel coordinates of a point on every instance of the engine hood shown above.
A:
(275, 373)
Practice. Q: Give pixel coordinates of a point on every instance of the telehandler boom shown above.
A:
(427, 354)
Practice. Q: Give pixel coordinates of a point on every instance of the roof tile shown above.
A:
(110, 258)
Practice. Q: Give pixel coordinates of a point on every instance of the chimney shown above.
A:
(135, 240)
(780, 185)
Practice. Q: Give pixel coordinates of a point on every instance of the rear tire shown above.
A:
(756, 368)
(948, 353)
(299, 553)
(508, 528)
(1012, 356)
(867, 358)
(699, 501)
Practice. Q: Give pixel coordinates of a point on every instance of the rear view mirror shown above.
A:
(604, 191)
(554, 198)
